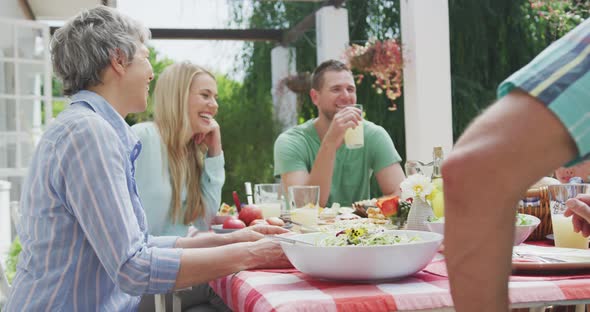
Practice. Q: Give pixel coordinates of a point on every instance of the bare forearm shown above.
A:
(203, 240)
(323, 169)
(488, 171)
(214, 150)
(205, 264)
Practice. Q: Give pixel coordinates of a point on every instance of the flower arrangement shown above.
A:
(417, 185)
(382, 60)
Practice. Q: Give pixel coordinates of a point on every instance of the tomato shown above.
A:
(388, 206)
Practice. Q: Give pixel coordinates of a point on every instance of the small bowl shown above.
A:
(521, 233)
(436, 226)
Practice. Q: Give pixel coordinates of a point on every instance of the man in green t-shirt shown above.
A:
(313, 153)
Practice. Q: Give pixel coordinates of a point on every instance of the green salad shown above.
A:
(361, 236)
(521, 219)
(435, 219)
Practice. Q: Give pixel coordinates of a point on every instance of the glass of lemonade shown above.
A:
(563, 229)
(268, 197)
(354, 137)
(305, 203)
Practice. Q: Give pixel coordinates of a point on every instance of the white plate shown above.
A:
(218, 228)
(345, 210)
(573, 259)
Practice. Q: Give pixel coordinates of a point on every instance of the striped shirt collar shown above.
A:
(100, 105)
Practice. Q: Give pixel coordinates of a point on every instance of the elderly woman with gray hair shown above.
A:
(83, 229)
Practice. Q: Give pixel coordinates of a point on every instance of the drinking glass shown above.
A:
(305, 202)
(412, 167)
(269, 197)
(563, 229)
(354, 137)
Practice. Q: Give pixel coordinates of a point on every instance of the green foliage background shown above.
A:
(489, 40)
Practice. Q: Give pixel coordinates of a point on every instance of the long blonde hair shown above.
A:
(185, 157)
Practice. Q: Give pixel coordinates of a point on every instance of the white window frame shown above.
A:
(19, 134)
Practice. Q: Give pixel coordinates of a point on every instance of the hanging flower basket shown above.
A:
(363, 61)
(299, 83)
(382, 60)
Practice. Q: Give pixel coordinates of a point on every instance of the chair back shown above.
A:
(536, 204)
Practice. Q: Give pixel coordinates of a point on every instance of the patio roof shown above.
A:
(57, 9)
(63, 9)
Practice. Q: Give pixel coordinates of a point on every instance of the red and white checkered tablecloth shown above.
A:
(291, 290)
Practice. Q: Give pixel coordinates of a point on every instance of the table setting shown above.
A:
(373, 262)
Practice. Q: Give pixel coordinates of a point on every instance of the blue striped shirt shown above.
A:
(559, 77)
(83, 229)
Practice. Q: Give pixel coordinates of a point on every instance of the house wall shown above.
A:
(11, 9)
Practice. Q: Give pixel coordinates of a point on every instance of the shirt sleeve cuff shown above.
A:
(214, 169)
(164, 269)
(162, 241)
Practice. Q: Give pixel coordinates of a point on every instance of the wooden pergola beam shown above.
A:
(213, 34)
(306, 23)
(284, 37)
(218, 34)
(26, 8)
(298, 30)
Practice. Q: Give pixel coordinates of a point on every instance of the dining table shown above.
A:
(426, 290)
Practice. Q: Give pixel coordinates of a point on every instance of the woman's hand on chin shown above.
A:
(211, 137)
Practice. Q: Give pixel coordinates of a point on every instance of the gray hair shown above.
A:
(84, 46)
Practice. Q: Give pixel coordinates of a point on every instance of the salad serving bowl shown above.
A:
(362, 263)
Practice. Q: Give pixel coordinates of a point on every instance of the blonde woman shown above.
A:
(180, 172)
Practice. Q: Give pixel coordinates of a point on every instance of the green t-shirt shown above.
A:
(296, 150)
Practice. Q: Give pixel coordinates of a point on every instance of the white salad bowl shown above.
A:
(362, 263)
(437, 226)
(521, 233)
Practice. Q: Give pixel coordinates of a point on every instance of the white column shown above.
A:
(331, 33)
(427, 77)
(5, 219)
(284, 101)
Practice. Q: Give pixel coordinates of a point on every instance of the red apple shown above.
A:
(250, 213)
(233, 223)
(258, 221)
